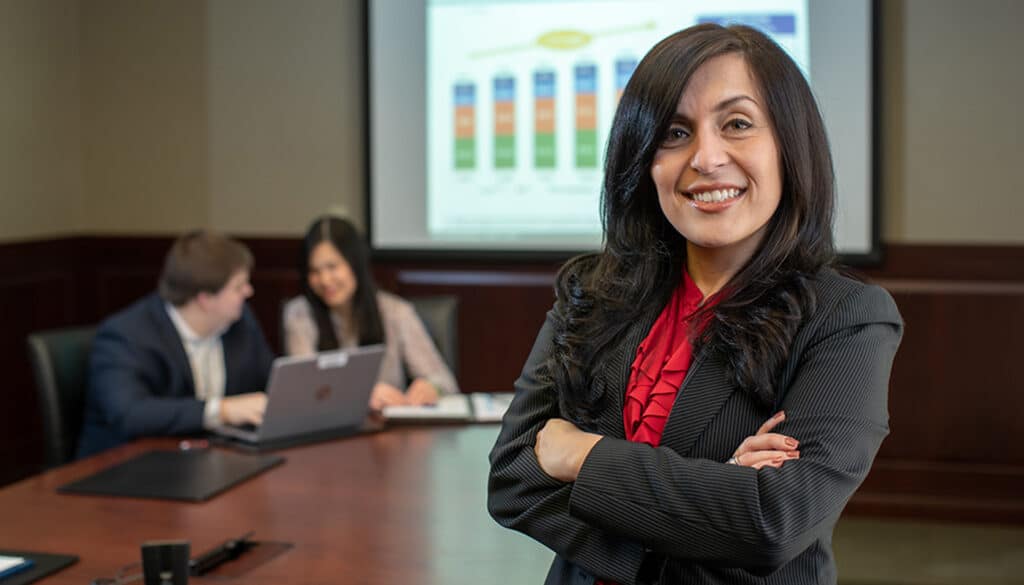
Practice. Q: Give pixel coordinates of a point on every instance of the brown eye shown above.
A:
(738, 124)
(676, 134)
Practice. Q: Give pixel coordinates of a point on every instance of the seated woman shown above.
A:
(341, 308)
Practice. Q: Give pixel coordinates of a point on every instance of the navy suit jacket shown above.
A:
(676, 513)
(140, 382)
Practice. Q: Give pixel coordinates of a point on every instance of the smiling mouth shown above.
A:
(715, 195)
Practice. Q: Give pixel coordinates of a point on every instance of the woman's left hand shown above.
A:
(561, 448)
(421, 392)
(765, 448)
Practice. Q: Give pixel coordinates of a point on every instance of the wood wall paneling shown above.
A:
(957, 384)
(956, 392)
(37, 291)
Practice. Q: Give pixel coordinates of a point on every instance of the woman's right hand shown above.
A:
(386, 395)
(765, 448)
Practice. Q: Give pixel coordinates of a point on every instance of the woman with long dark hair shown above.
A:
(340, 307)
(645, 442)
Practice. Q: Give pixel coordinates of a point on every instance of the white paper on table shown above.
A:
(490, 406)
(449, 407)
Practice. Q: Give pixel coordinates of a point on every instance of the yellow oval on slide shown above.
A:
(564, 39)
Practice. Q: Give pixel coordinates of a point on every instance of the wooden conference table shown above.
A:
(406, 505)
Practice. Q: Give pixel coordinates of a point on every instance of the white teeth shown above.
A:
(716, 196)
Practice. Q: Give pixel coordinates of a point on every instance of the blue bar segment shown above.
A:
(465, 94)
(586, 78)
(544, 84)
(778, 24)
(623, 71)
(504, 89)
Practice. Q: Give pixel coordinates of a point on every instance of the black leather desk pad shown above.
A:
(43, 565)
(195, 475)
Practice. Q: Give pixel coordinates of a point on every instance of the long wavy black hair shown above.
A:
(344, 236)
(752, 327)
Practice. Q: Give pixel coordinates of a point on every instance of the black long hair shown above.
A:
(345, 237)
(600, 295)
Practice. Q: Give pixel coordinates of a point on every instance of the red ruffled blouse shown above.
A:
(661, 363)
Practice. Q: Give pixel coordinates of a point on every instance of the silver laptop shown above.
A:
(315, 395)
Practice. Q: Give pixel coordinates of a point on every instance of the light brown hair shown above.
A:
(201, 261)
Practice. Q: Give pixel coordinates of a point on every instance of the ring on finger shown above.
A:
(734, 460)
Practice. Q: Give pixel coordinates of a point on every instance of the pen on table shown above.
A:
(218, 555)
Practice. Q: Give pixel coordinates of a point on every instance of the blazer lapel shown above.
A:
(616, 376)
(232, 359)
(172, 342)
(703, 393)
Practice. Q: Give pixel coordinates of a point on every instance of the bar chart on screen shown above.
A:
(520, 103)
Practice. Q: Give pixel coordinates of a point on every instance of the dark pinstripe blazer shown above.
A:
(676, 513)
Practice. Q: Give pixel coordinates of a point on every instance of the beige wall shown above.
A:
(154, 116)
(953, 145)
(151, 116)
(242, 115)
(285, 101)
(40, 157)
(145, 153)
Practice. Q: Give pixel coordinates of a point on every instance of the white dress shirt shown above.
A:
(206, 360)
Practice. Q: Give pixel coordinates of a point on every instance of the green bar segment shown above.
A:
(586, 148)
(505, 151)
(465, 153)
(544, 151)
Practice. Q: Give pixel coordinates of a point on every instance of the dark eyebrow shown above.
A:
(727, 103)
(723, 105)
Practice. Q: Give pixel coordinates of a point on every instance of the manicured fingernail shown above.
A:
(793, 454)
(792, 443)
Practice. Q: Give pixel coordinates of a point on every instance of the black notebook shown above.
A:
(194, 475)
(41, 565)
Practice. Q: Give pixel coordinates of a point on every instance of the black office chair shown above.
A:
(60, 362)
(440, 316)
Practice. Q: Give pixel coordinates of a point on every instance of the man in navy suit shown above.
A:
(188, 357)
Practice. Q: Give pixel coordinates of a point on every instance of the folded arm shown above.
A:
(629, 497)
(700, 510)
(521, 496)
